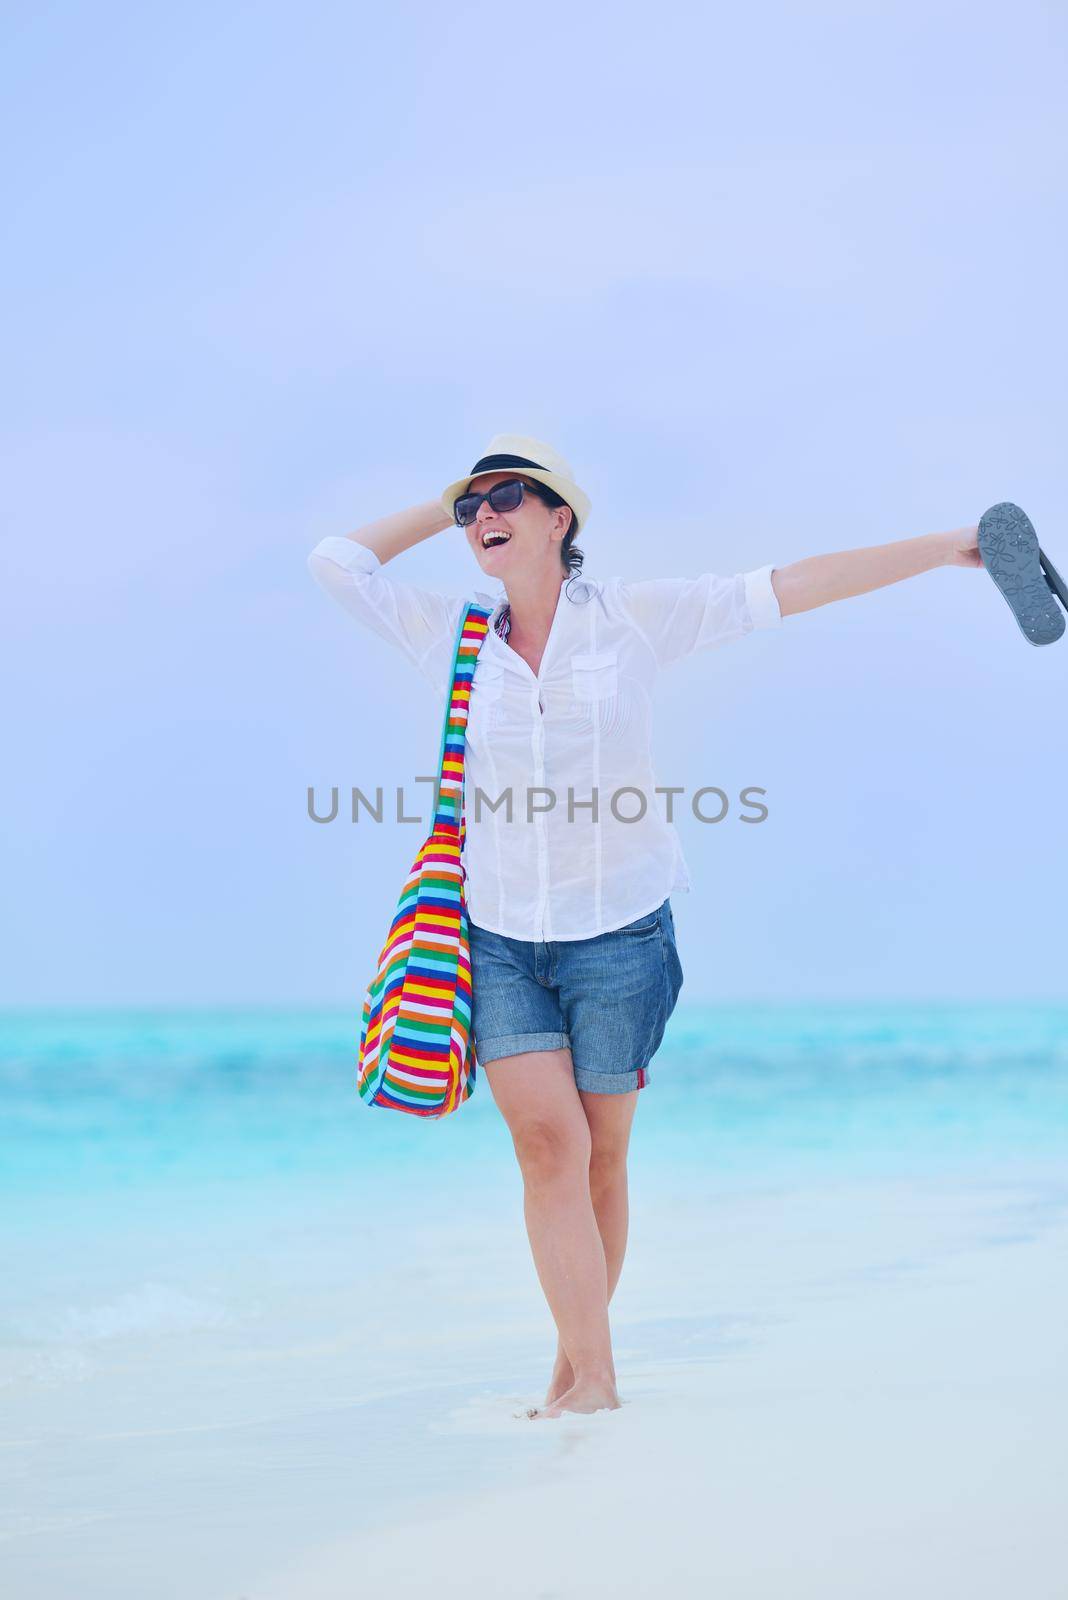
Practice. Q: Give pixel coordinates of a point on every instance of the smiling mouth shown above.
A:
(495, 538)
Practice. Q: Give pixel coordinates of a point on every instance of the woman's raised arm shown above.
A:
(390, 535)
(819, 579)
(420, 622)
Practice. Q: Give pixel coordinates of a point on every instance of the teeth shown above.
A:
(489, 539)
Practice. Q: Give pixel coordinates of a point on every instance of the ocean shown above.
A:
(244, 1316)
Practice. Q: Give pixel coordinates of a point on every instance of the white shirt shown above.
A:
(584, 723)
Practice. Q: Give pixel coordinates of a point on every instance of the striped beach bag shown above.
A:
(415, 1045)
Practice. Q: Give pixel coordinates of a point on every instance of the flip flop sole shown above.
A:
(1009, 549)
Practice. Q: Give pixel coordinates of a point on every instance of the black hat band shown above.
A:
(494, 463)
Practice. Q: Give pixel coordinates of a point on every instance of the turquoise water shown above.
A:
(146, 1155)
(228, 1282)
(114, 1103)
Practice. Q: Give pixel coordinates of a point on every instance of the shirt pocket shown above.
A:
(487, 690)
(602, 699)
(595, 676)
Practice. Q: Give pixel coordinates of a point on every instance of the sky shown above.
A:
(777, 282)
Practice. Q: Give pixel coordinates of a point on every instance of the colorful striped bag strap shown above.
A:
(415, 1045)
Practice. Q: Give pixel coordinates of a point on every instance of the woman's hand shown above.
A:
(962, 547)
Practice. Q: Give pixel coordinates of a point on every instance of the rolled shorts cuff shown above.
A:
(611, 1082)
(514, 1044)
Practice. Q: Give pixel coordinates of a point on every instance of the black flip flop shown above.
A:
(1028, 580)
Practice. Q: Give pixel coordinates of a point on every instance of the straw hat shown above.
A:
(535, 460)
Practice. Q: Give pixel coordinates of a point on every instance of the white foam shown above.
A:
(151, 1308)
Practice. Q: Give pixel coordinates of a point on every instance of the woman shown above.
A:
(575, 970)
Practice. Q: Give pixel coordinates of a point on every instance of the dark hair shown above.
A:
(570, 554)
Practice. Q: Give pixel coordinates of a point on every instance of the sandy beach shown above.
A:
(886, 1417)
(258, 1343)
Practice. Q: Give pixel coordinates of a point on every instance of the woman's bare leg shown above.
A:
(610, 1117)
(537, 1096)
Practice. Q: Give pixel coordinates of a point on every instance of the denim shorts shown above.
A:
(607, 998)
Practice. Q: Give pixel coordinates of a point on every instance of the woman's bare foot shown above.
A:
(563, 1376)
(591, 1394)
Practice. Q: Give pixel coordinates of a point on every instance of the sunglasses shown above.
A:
(502, 497)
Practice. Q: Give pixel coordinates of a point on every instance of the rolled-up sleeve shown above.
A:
(680, 616)
(420, 622)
